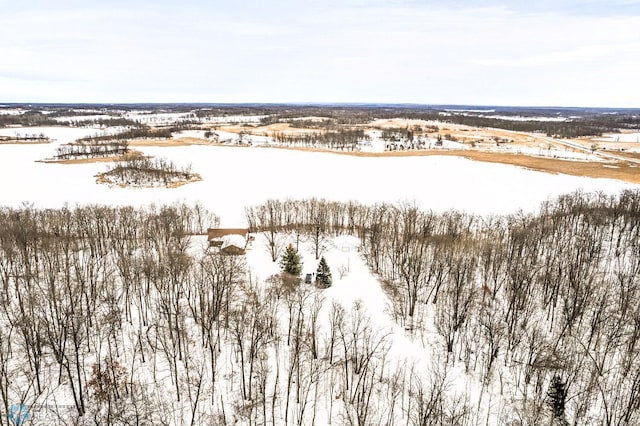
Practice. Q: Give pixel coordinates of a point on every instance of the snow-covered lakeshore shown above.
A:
(233, 177)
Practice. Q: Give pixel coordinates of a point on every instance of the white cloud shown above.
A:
(393, 51)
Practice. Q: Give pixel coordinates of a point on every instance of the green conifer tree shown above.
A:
(290, 262)
(323, 274)
(557, 398)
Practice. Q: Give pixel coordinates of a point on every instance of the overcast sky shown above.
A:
(476, 52)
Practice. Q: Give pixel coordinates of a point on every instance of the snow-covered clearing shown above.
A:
(353, 283)
(189, 134)
(79, 118)
(563, 154)
(620, 137)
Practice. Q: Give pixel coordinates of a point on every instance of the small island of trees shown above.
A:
(139, 171)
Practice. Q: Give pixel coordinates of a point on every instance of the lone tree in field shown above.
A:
(323, 274)
(290, 262)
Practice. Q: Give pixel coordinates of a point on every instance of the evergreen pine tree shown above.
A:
(290, 262)
(323, 274)
(557, 398)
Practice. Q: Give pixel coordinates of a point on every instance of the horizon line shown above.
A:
(320, 104)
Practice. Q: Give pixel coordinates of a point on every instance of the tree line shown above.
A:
(138, 132)
(117, 147)
(579, 122)
(342, 139)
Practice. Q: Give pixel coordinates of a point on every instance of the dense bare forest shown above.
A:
(541, 308)
(118, 316)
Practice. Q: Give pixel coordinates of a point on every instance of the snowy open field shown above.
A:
(235, 177)
(620, 137)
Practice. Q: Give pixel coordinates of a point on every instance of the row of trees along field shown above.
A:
(111, 148)
(343, 139)
(137, 132)
(119, 314)
(39, 118)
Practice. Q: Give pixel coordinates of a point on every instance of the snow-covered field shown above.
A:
(620, 137)
(233, 177)
(523, 118)
(11, 111)
(189, 134)
(59, 135)
(79, 118)
(555, 153)
(234, 119)
(163, 118)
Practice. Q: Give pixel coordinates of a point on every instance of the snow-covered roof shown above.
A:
(233, 240)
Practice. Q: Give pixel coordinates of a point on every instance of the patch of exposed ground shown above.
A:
(629, 154)
(269, 130)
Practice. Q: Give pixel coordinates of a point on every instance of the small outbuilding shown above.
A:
(230, 240)
(233, 244)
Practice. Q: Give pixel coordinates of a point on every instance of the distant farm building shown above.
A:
(230, 240)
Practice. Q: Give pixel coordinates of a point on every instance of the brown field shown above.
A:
(461, 133)
(269, 130)
(627, 172)
(632, 155)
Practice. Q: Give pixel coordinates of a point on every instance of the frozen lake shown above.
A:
(236, 177)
